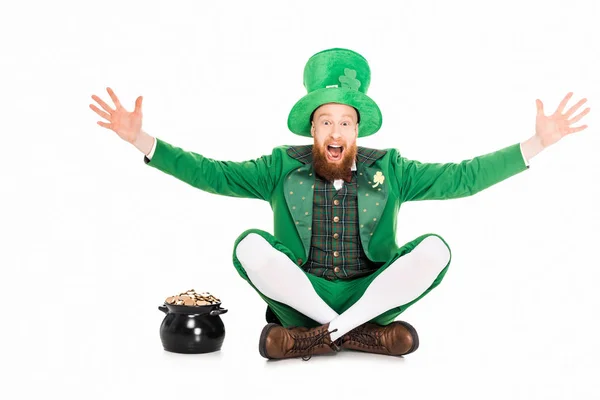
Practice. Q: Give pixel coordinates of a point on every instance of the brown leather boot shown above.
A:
(279, 342)
(396, 339)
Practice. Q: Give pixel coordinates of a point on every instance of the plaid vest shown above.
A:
(335, 248)
(336, 251)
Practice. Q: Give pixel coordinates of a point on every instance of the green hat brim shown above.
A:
(370, 115)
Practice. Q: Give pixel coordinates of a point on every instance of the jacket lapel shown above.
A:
(298, 186)
(372, 192)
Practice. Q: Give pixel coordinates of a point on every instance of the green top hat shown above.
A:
(336, 76)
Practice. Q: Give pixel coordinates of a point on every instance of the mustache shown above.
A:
(324, 145)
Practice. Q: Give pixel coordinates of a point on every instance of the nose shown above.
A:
(335, 135)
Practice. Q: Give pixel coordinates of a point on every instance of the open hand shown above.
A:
(128, 125)
(550, 129)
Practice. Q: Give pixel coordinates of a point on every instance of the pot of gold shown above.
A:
(192, 323)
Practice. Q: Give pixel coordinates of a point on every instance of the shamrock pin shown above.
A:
(349, 80)
(378, 178)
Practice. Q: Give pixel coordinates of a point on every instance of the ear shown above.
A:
(312, 128)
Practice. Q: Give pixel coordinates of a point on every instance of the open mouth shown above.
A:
(334, 152)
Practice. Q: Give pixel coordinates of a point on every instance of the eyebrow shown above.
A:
(327, 114)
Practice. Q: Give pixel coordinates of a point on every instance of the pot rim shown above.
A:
(181, 309)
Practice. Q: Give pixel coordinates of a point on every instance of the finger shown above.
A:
(579, 116)
(564, 102)
(540, 107)
(575, 107)
(100, 112)
(138, 105)
(114, 98)
(104, 124)
(103, 104)
(577, 129)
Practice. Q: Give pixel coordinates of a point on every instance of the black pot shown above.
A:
(192, 329)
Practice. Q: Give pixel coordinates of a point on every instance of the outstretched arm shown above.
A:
(436, 181)
(251, 179)
(254, 179)
(444, 181)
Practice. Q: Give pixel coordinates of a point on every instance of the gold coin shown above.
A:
(188, 302)
(192, 298)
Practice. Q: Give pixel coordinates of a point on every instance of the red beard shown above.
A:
(330, 171)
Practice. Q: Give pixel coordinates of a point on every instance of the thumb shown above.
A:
(540, 107)
(138, 105)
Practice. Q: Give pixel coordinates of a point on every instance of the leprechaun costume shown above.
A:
(341, 239)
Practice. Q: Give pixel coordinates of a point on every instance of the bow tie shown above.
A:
(348, 177)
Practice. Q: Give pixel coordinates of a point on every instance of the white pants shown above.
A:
(280, 279)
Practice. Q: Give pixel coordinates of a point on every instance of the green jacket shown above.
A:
(385, 181)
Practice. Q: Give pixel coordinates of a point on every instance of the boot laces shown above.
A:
(308, 343)
(371, 338)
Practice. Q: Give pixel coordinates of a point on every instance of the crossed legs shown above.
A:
(278, 278)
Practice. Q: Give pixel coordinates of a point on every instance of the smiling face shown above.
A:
(334, 128)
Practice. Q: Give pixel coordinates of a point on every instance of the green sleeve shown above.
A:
(254, 179)
(436, 181)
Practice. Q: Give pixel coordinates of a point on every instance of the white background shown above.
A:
(93, 240)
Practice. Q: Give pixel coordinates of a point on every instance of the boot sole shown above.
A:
(413, 333)
(262, 343)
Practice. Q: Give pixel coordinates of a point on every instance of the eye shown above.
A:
(346, 123)
(326, 122)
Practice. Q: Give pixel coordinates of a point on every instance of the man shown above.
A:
(332, 274)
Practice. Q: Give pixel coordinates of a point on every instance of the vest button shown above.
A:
(336, 219)
(336, 235)
(299, 261)
(336, 270)
(336, 253)
(336, 202)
